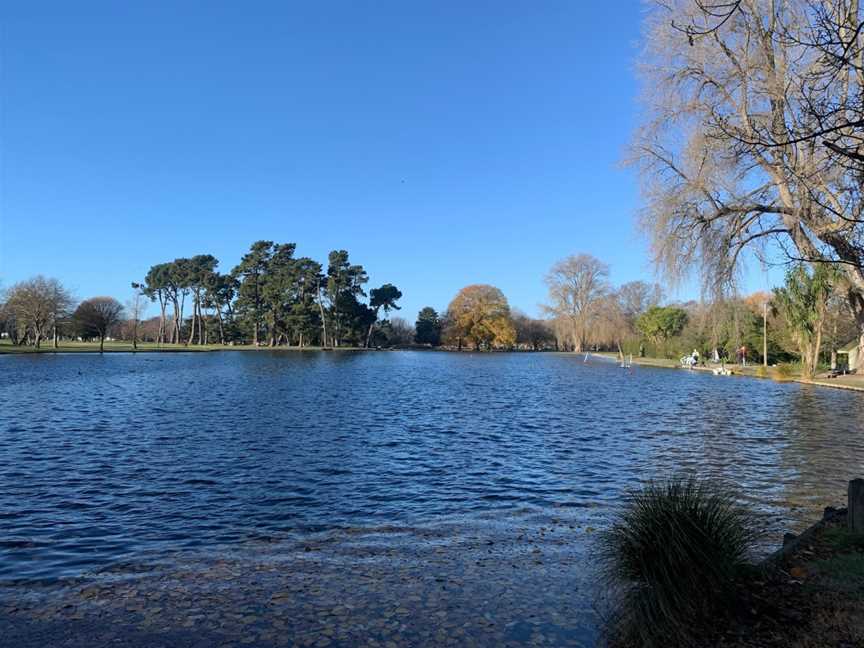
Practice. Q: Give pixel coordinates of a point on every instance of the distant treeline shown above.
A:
(272, 298)
(808, 319)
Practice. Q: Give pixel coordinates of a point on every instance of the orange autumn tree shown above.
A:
(479, 315)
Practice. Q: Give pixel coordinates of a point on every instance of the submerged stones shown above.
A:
(429, 588)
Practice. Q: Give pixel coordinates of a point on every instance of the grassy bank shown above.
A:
(677, 565)
(785, 373)
(818, 585)
(810, 596)
(6, 347)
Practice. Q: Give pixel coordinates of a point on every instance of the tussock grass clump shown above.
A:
(785, 371)
(671, 561)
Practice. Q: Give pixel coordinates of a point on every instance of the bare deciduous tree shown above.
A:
(37, 305)
(636, 297)
(94, 317)
(611, 326)
(400, 332)
(577, 286)
(730, 154)
(136, 307)
(531, 333)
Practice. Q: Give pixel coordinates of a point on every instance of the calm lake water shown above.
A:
(108, 459)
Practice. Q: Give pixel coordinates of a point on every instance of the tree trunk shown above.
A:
(192, 323)
(180, 319)
(859, 319)
(257, 315)
(162, 303)
(175, 326)
(55, 336)
(324, 318)
(101, 343)
(817, 348)
(860, 367)
(855, 297)
(337, 323)
(816, 343)
(369, 334)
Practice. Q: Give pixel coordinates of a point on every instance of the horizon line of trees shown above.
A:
(272, 298)
(806, 320)
(795, 321)
(39, 309)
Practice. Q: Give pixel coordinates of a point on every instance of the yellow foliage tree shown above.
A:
(480, 316)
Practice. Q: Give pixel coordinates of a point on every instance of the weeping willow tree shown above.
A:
(578, 288)
(803, 303)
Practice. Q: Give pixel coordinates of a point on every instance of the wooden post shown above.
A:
(855, 515)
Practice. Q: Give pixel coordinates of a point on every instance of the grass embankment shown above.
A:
(67, 346)
(676, 564)
(784, 372)
(781, 373)
(814, 594)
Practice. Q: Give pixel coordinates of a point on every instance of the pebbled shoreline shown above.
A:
(426, 587)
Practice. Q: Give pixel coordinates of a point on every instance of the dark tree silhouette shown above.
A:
(94, 317)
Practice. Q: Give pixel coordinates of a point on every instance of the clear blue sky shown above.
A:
(440, 143)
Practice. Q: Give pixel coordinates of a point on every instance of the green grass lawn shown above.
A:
(67, 346)
(756, 370)
(783, 373)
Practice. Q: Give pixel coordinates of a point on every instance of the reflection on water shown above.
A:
(111, 459)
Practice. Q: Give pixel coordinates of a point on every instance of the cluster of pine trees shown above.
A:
(271, 297)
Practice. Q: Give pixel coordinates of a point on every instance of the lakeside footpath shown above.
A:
(854, 383)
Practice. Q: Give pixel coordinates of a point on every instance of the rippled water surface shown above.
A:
(106, 460)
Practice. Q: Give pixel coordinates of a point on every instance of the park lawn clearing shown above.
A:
(6, 347)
